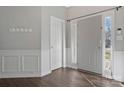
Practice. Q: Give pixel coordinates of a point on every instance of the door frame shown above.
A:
(63, 42)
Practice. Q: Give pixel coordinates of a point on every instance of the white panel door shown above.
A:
(89, 44)
(56, 43)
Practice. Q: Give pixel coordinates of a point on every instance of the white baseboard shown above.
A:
(74, 66)
(45, 73)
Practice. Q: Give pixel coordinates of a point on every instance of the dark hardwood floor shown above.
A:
(61, 78)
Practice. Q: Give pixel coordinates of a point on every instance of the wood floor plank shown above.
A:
(63, 77)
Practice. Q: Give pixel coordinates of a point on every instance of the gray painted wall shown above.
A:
(20, 17)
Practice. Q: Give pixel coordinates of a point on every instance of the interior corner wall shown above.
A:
(47, 11)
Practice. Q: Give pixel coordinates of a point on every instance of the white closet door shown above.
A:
(56, 43)
(89, 44)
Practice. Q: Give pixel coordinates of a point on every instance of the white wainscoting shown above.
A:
(20, 63)
(119, 66)
(69, 59)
